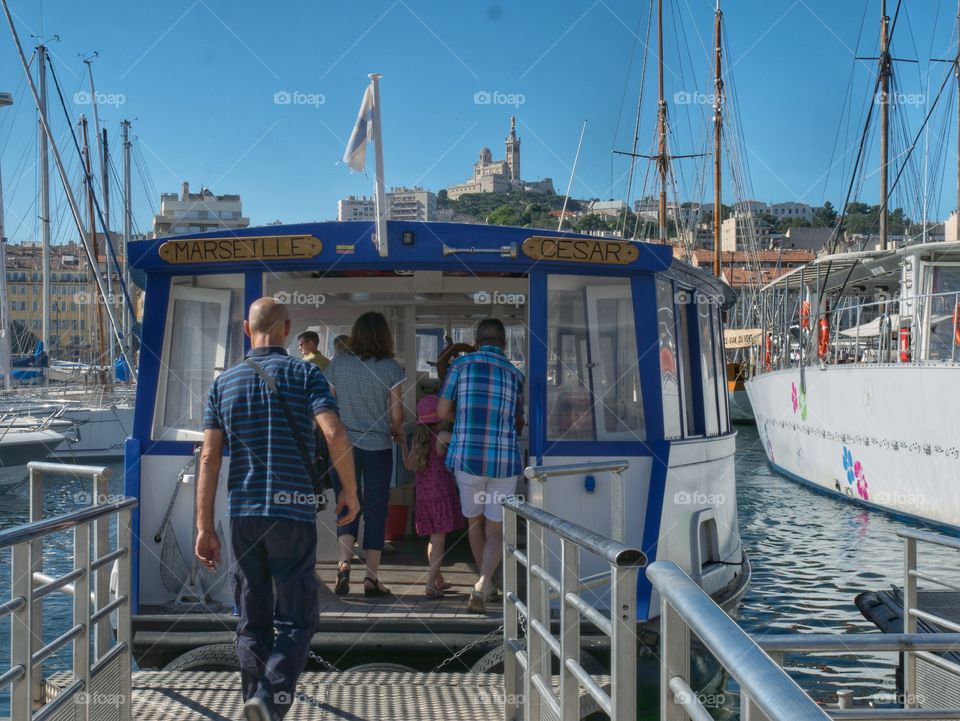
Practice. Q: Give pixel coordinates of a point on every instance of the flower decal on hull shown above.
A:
(798, 399)
(856, 476)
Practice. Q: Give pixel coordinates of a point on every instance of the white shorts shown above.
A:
(481, 495)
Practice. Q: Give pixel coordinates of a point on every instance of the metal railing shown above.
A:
(912, 613)
(766, 691)
(618, 525)
(847, 345)
(534, 654)
(105, 675)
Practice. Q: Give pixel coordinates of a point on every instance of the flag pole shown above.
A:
(379, 193)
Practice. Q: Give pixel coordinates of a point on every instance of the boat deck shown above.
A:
(407, 622)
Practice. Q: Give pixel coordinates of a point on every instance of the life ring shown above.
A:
(768, 353)
(805, 314)
(956, 324)
(823, 341)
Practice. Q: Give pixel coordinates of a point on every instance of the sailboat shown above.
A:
(858, 365)
(99, 412)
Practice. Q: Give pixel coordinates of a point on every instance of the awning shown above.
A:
(872, 328)
(740, 337)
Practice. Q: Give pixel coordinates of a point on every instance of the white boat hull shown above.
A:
(18, 448)
(883, 436)
(99, 433)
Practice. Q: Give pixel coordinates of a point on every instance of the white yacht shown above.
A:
(858, 399)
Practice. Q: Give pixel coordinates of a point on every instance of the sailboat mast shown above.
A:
(127, 226)
(95, 252)
(105, 189)
(5, 328)
(884, 119)
(44, 201)
(661, 128)
(717, 131)
(956, 71)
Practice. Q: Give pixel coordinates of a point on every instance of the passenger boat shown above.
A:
(620, 343)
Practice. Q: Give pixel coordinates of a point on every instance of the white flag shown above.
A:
(356, 153)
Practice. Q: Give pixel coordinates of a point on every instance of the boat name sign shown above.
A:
(581, 250)
(218, 250)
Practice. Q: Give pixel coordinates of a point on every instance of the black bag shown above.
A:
(319, 468)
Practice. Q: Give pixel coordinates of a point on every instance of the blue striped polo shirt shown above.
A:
(488, 391)
(266, 476)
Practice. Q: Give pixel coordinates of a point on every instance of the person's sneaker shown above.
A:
(256, 710)
(477, 603)
(493, 595)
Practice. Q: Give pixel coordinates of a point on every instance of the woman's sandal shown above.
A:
(433, 590)
(342, 588)
(372, 588)
(444, 585)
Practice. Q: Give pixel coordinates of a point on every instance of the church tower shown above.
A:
(513, 151)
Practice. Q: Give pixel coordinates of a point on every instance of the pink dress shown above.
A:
(437, 503)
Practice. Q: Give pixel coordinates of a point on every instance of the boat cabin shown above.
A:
(620, 344)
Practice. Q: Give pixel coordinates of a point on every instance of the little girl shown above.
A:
(437, 506)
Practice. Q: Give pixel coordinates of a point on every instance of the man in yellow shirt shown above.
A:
(308, 342)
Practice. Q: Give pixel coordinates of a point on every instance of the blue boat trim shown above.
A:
(898, 515)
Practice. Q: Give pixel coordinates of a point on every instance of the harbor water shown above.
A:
(811, 556)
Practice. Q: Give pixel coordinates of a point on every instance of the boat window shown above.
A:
(944, 286)
(669, 382)
(721, 369)
(203, 337)
(707, 374)
(593, 374)
(683, 301)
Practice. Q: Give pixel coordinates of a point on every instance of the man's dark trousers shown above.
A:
(274, 553)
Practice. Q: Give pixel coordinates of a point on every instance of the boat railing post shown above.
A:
(125, 540)
(81, 617)
(21, 633)
(623, 643)
(856, 345)
(569, 631)
(510, 586)
(101, 543)
(956, 340)
(536, 598)
(909, 620)
(674, 659)
(36, 567)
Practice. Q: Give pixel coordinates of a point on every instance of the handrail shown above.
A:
(541, 645)
(94, 647)
(618, 518)
(686, 609)
(38, 529)
(930, 537)
(616, 553)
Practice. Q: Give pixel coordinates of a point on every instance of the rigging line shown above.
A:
(96, 203)
(9, 120)
(636, 126)
(897, 178)
(626, 80)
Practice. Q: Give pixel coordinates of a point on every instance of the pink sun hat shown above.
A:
(427, 410)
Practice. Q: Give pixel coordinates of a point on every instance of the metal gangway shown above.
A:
(544, 608)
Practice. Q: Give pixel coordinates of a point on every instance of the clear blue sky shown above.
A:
(199, 79)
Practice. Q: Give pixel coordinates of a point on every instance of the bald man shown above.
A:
(271, 504)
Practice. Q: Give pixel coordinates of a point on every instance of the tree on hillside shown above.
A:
(504, 215)
(591, 221)
(825, 217)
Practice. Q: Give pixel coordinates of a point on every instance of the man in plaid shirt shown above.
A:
(483, 395)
